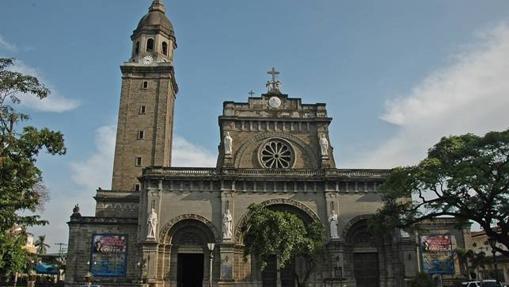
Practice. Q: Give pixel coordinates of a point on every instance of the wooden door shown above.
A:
(366, 269)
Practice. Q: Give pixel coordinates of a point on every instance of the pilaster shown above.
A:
(149, 261)
(227, 255)
(332, 205)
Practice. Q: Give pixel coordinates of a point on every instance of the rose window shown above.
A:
(276, 154)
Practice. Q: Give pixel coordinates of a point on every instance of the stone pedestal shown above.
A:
(227, 253)
(149, 259)
(336, 260)
(228, 161)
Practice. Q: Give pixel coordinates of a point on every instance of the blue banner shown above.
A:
(109, 255)
(437, 254)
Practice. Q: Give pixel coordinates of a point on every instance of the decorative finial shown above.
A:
(76, 211)
(251, 93)
(273, 85)
(157, 5)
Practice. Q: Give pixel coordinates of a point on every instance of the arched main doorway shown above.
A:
(189, 259)
(364, 255)
(287, 275)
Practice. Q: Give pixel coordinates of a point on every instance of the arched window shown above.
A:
(137, 48)
(165, 48)
(150, 45)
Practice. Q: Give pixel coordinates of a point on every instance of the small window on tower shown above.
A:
(137, 161)
(165, 48)
(137, 187)
(150, 45)
(142, 110)
(137, 48)
(141, 135)
(145, 84)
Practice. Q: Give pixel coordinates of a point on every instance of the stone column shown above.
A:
(150, 258)
(166, 261)
(226, 249)
(227, 259)
(149, 246)
(332, 203)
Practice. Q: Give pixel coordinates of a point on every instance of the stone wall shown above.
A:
(81, 231)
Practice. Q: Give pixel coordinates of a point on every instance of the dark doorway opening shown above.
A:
(366, 269)
(190, 270)
(288, 275)
(269, 274)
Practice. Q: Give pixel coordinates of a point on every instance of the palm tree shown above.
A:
(464, 257)
(470, 261)
(42, 246)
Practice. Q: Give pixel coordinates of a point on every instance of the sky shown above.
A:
(396, 75)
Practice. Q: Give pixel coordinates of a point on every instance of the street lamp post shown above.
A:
(493, 244)
(211, 259)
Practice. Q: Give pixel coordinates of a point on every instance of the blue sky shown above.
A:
(396, 75)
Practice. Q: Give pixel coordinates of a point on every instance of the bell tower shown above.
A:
(147, 99)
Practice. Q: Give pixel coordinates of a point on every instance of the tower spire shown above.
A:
(157, 5)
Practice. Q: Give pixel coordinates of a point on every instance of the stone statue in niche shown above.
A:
(152, 225)
(333, 221)
(324, 146)
(227, 224)
(228, 144)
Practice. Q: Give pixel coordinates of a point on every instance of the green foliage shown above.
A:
(13, 257)
(270, 232)
(422, 280)
(465, 176)
(21, 187)
(42, 246)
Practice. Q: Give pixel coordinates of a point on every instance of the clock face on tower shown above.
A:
(147, 60)
(274, 102)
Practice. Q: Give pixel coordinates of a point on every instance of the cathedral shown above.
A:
(166, 226)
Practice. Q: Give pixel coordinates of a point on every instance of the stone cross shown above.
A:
(273, 73)
(274, 84)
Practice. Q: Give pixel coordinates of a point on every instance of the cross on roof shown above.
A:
(274, 73)
(251, 93)
(274, 84)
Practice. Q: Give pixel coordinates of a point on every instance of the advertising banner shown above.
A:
(437, 254)
(109, 255)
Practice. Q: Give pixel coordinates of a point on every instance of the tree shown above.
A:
(21, 187)
(42, 246)
(466, 177)
(13, 256)
(470, 261)
(269, 233)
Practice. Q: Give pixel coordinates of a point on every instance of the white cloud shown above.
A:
(470, 95)
(53, 103)
(5, 45)
(96, 170)
(187, 154)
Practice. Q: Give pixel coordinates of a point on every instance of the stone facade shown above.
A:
(274, 150)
